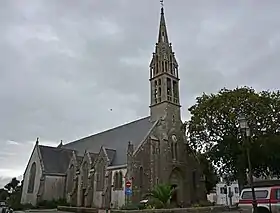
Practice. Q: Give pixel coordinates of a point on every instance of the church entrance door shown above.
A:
(176, 182)
(174, 198)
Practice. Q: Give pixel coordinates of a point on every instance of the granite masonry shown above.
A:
(92, 171)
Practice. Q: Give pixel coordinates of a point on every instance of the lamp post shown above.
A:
(245, 130)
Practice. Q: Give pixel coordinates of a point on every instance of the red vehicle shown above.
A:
(268, 199)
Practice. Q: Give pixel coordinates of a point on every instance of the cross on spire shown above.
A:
(161, 3)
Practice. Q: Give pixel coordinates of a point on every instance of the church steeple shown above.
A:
(162, 35)
(164, 77)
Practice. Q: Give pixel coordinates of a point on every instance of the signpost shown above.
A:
(128, 184)
(128, 190)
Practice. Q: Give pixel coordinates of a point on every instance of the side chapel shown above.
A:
(92, 171)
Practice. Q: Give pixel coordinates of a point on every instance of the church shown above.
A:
(120, 165)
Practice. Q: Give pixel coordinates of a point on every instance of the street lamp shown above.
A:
(245, 130)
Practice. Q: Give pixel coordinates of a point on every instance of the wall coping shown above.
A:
(190, 209)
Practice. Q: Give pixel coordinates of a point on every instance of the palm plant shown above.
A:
(161, 195)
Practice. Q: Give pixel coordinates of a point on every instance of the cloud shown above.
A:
(6, 179)
(13, 143)
(65, 64)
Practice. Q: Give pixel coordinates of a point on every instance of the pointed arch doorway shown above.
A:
(176, 181)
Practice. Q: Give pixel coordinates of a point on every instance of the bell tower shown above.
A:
(164, 77)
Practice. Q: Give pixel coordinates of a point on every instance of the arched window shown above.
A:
(32, 176)
(120, 181)
(85, 174)
(116, 179)
(100, 175)
(174, 150)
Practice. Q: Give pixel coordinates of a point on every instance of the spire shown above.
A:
(164, 77)
(162, 35)
(60, 144)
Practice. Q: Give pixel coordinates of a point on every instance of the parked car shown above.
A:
(268, 199)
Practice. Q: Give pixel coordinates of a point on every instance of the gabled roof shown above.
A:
(54, 159)
(110, 154)
(93, 156)
(116, 139)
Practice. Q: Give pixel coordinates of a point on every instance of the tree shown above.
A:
(12, 185)
(161, 195)
(13, 190)
(213, 129)
(3, 194)
(209, 172)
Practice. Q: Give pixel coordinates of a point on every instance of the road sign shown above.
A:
(128, 191)
(128, 184)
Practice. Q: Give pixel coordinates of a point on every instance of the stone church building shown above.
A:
(93, 171)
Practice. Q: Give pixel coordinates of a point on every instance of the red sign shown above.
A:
(128, 184)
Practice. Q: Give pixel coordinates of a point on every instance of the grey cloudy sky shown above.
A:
(65, 63)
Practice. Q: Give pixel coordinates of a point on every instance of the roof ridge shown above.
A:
(109, 148)
(56, 148)
(114, 141)
(93, 153)
(108, 130)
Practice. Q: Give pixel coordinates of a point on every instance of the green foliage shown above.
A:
(3, 194)
(12, 185)
(131, 206)
(52, 204)
(209, 172)
(14, 200)
(213, 130)
(138, 206)
(160, 196)
(149, 206)
(12, 193)
(14, 190)
(203, 203)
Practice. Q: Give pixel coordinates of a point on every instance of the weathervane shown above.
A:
(161, 3)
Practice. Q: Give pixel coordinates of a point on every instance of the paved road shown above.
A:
(41, 211)
(55, 211)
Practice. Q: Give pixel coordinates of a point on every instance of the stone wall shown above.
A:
(77, 209)
(53, 187)
(32, 197)
(118, 195)
(212, 209)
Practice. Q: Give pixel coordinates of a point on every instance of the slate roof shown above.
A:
(93, 156)
(114, 139)
(55, 160)
(111, 154)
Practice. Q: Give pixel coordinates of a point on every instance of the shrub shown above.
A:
(160, 196)
(202, 203)
(130, 206)
(52, 204)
